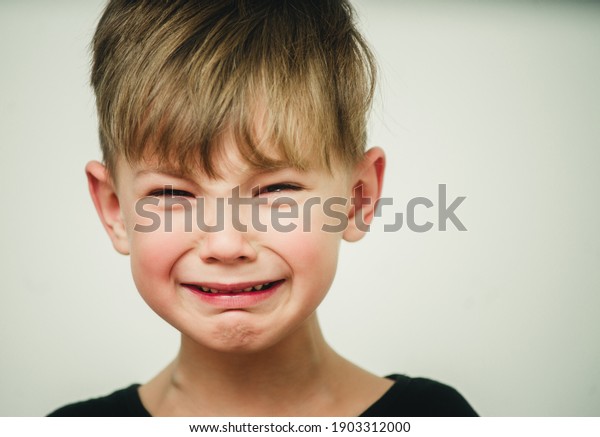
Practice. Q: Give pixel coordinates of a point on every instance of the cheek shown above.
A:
(155, 244)
(153, 256)
(308, 248)
(312, 257)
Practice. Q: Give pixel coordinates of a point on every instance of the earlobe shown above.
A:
(367, 185)
(107, 205)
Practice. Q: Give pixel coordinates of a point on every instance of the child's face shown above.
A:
(195, 279)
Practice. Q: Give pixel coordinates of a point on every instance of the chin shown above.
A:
(238, 339)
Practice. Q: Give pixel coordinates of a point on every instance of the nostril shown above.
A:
(212, 259)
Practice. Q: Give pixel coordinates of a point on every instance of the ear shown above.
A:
(367, 184)
(107, 205)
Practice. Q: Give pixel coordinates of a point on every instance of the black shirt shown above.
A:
(408, 397)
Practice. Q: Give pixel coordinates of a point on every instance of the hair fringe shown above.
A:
(292, 81)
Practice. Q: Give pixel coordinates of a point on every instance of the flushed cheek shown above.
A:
(313, 253)
(313, 246)
(153, 257)
(312, 257)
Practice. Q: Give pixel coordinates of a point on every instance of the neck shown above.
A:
(281, 380)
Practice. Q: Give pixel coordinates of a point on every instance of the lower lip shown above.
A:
(233, 301)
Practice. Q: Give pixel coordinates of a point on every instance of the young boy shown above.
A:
(233, 135)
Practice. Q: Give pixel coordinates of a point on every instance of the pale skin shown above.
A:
(263, 359)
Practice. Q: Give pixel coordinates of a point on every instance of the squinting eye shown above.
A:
(170, 192)
(276, 188)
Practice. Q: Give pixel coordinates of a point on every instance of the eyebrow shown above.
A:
(174, 172)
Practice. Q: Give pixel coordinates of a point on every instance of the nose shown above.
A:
(227, 245)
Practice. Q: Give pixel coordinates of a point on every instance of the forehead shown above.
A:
(232, 168)
(224, 162)
(228, 155)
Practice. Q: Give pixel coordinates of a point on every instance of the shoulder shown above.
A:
(420, 397)
(121, 403)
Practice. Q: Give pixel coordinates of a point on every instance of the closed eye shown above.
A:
(168, 191)
(277, 188)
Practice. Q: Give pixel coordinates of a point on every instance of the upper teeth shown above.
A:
(254, 288)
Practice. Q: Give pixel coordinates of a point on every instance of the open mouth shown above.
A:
(234, 290)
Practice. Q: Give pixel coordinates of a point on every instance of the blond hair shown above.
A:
(292, 80)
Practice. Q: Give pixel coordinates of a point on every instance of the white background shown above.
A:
(498, 100)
